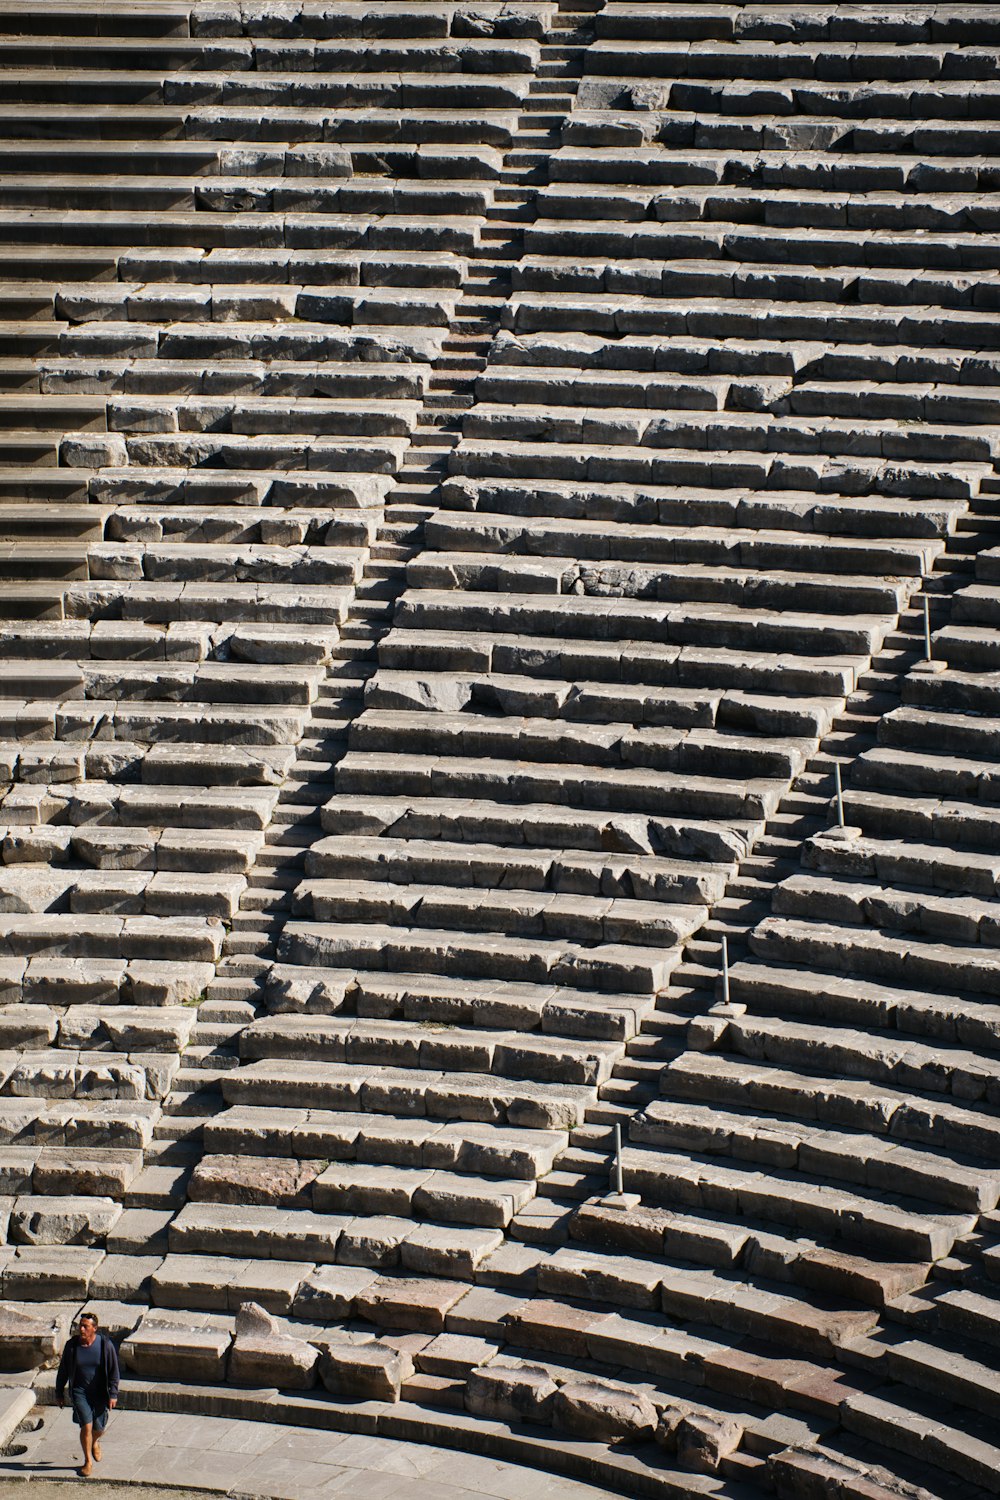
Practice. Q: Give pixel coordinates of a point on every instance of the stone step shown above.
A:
(956, 1018)
(522, 913)
(674, 670)
(800, 1147)
(567, 785)
(547, 541)
(363, 1187)
(391, 1043)
(544, 825)
(921, 1118)
(483, 1097)
(948, 916)
(859, 951)
(400, 861)
(541, 741)
(827, 1212)
(601, 966)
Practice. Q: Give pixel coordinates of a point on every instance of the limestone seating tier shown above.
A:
(736, 413)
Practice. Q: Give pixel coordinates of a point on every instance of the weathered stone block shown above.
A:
(704, 1441)
(330, 1292)
(29, 1337)
(519, 1393)
(604, 1413)
(264, 1354)
(398, 1302)
(184, 1349)
(62, 1221)
(366, 1372)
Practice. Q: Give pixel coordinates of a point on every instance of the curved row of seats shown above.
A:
(739, 408)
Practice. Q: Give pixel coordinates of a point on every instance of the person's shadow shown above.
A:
(20, 1457)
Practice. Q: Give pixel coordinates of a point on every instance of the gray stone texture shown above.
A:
(468, 474)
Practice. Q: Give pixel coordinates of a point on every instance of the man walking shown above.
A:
(89, 1366)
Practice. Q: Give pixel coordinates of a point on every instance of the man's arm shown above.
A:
(62, 1375)
(113, 1371)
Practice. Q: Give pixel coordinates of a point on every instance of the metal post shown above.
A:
(619, 1174)
(928, 653)
(840, 795)
(725, 970)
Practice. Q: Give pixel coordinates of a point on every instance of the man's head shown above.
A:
(88, 1327)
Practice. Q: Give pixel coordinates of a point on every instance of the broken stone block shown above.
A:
(671, 1418)
(704, 1441)
(366, 1372)
(29, 1337)
(263, 1354)
(518, 1393)
(62, 1221)
(254, 1180)
(604, 1413)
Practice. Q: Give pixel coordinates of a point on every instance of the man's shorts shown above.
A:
(86, 1414)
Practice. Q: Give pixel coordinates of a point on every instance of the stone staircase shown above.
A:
(470, 475)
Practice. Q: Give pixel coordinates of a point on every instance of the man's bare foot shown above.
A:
(85, 1472)
(96, 1450)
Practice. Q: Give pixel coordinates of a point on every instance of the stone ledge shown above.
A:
(635, 1473)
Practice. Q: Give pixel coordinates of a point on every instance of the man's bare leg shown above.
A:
(86, 1443)
(95, 1446)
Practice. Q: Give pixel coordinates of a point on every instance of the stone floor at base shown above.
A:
(215, 1456)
